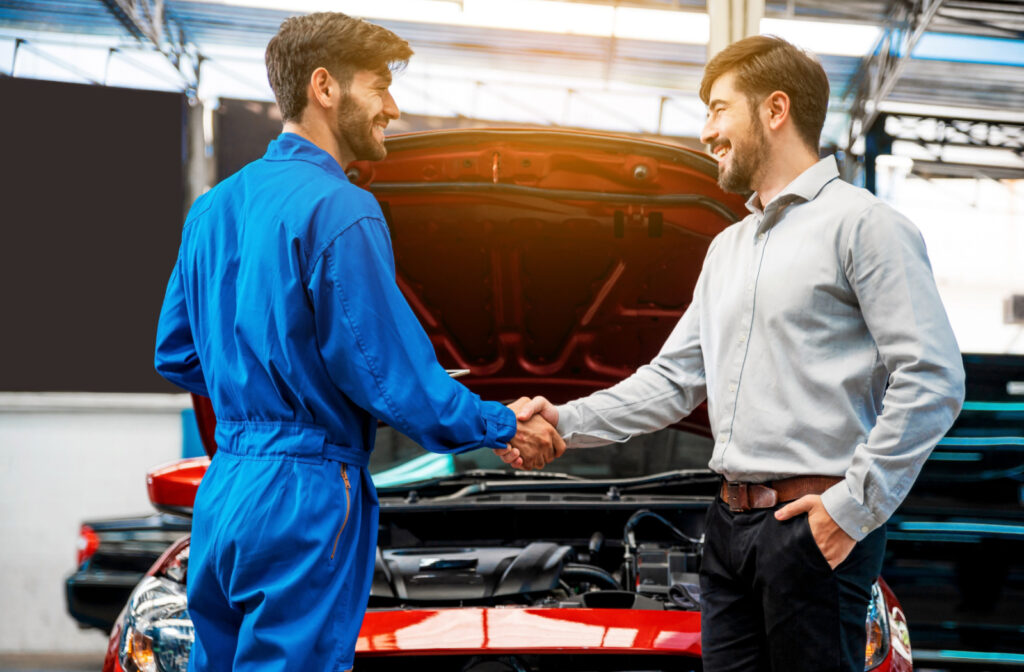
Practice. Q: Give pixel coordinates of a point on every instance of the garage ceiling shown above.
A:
(971, 58)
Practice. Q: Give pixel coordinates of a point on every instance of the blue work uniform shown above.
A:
(283, 309)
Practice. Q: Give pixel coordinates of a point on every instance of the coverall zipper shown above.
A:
(348, 507)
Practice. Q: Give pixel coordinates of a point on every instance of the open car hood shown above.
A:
(547, 262)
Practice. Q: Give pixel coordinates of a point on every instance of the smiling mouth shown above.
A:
(720, 151)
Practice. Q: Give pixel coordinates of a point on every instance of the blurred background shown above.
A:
(118, 113)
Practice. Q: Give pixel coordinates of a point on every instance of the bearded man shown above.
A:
(818, 338)
(284, 310)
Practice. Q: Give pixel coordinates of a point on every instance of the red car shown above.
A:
(545, 262)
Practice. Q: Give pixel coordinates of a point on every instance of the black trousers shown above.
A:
(770, 601)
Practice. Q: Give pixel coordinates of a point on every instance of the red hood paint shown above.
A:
(528, 631)
(544, 261)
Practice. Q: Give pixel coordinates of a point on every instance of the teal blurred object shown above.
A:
(430, 465)
(191, 444)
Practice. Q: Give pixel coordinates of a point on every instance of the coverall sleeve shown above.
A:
(887, 266)
(377, 353)
(176, 357)
(659, 394)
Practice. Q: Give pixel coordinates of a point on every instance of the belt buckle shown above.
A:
(736, 496)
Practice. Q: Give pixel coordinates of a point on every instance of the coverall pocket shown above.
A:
(348, 508)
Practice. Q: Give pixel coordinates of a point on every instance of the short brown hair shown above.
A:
(340, 43)
(765, 63)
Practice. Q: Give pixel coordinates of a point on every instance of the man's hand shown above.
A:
(834, 543)
(510, 456)
(537, 405)
(536, 443)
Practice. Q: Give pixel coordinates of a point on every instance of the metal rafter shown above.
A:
(879, 71)
(941, 132)
(147, 20)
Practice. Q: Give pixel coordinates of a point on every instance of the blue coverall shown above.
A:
(284, 310)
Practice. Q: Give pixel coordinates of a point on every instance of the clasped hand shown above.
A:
(536, 443)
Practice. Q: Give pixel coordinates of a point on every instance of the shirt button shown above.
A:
(742, 338)
(760, 236)
(864, 529)
(732, 387)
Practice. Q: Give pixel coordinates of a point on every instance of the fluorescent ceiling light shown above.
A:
(820, 37)
(546, 16)
(662, 25)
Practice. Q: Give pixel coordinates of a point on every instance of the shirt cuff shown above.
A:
(499, 424)
(568, 420)
(853, 517)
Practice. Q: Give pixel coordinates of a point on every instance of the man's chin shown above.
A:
(733, 186)
(373, 153)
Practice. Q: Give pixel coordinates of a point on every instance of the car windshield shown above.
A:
(396, 459)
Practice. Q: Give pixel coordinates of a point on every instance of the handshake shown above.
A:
(537, 442)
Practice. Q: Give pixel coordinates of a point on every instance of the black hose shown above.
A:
(590, 573)
(645, 513)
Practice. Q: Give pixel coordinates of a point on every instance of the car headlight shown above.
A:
(878, 629)
(157, 634)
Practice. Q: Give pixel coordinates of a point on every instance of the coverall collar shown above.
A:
(292, 147)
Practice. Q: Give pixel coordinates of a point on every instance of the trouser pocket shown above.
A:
(348, 508)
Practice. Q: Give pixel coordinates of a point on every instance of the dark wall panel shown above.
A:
(91, 200)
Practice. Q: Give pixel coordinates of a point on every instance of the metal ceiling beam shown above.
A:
(147, 20)
(953, 132)
(879, 71)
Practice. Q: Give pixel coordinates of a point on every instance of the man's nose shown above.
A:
(708, 133)
(391, 107)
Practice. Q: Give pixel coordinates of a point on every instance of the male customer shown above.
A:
(283, 309)
(817, 336)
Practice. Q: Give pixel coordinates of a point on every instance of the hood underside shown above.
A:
(551, 261)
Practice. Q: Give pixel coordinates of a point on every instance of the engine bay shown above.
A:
(638, 554)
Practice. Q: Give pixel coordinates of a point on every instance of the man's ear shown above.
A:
(776, 107)
(323, 88)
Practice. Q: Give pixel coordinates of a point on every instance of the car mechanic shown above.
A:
(817, 335)
(283, 308)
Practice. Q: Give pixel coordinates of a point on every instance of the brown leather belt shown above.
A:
(746, 496)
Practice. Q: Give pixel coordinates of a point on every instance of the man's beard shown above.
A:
(747, 157)
(356, 131)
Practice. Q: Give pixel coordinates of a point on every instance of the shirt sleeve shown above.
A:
(176, 358)
(377, 353)
(659, 394)
(887, 267)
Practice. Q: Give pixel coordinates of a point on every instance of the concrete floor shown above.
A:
(42, 662)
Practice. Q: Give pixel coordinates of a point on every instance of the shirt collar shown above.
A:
(292, 147)
(806, 186)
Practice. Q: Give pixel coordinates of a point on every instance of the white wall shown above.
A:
(65, 458)
(974, 230)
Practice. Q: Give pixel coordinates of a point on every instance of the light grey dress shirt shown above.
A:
(817, 335)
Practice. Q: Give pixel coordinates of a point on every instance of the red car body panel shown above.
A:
(173, 486)
(528, 631)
